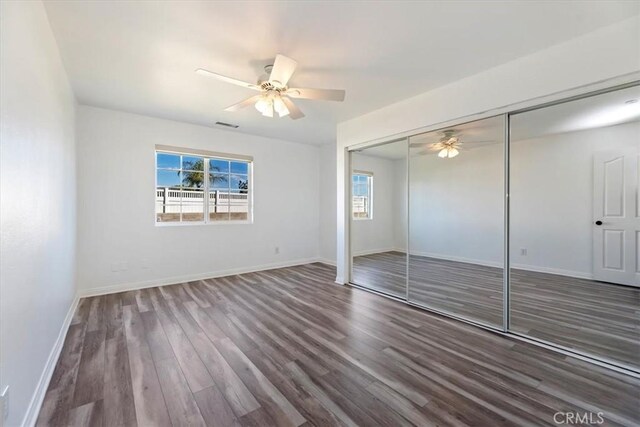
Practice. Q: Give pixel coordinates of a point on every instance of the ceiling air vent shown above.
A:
(229, 125)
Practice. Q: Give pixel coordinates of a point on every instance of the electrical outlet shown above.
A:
(4, 404)
(523, 251)
(276, 250)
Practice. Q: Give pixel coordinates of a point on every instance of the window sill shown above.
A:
(201, 223)
(363, 219)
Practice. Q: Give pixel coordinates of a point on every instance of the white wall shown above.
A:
(456, 205)
(116, 158)
(608, 53)
(377, 234)
(327, 193)
(552, 197)
(37, 203)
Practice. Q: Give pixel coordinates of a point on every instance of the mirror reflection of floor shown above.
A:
(600, 318)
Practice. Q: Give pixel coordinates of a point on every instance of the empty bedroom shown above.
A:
(313, 213)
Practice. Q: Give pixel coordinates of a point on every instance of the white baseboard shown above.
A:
(327, 261)
(123, 287)
(525, 267)
(372, 251)
(33, 410)
(550, 270)
(458, 259)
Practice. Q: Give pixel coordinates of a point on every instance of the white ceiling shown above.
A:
(140, 56)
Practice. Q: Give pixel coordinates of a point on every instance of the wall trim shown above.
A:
(484, 263)
(525, 267)
(550, 270)
(517, 266)
(331, 262)
(131, 286)
(33, 410)
(372, 251)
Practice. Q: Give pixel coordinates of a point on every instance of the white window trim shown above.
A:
(369, 175)
(206, 155)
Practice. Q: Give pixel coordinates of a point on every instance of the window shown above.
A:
(184, 195)
(362, 195)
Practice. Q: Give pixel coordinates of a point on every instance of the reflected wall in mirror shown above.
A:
(575, 228)
(456, 225)
(379, 218)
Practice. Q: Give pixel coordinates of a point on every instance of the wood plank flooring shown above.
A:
(600, 318)
(290, 347)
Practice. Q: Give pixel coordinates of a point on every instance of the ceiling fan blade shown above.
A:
(226, 79)
(243, 104)
(283, 69)
(294, 111)
(322, 94)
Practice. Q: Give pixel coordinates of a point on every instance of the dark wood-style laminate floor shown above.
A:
(600, 318)
(289, 347)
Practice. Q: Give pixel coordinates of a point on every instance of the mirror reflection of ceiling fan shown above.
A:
(448, 146)
(274, 93)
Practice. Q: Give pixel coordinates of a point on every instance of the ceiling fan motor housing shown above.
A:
(266, 85)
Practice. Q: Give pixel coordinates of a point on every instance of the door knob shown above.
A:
(598, 222)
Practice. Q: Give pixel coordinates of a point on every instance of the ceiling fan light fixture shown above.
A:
(263, 104)
(280, 107)
(448, 152)
(268, 111)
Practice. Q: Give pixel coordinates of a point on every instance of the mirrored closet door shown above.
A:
(575, 225)
(456, 220)
(379, 218)
(527, 223)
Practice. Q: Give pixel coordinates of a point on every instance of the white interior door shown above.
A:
(616, 217)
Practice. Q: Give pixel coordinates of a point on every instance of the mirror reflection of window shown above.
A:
(379, 218)
(362, 195)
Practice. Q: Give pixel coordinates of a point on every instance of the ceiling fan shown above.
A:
(450, 143)
(447, 147)
(274, 94)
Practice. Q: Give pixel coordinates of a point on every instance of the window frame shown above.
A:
(369, 176)
(206, 156)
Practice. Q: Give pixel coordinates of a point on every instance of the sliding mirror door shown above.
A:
(456, 220)
(575, 225)
(379, 218)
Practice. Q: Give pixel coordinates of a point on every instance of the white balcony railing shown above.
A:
(170, 200)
